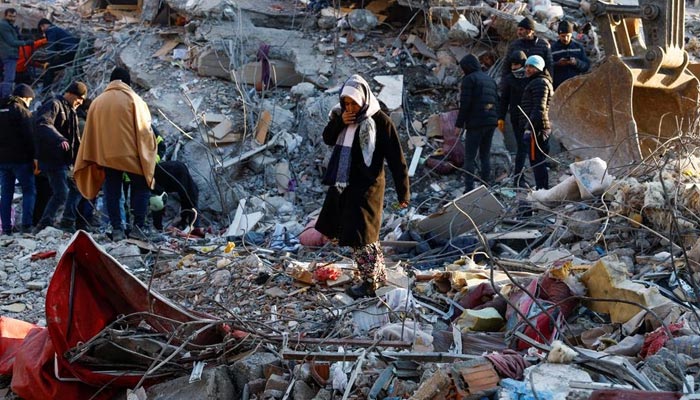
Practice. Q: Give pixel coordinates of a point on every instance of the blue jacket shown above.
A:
(478, 99)
(60, 40)
(572, 50)
(10, 42)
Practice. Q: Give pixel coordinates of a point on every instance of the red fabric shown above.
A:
(509, 364)
(25, 54)
(452, 147)
(328, 273)
(310, 237)
(12, 333)
(543, 324)
(654, 341)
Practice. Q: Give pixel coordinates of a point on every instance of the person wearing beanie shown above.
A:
(477, 118)
(57, 144)
(530, 44)
(17, 157)
(10, 43)
(569, 56)
(534, 105)
(118, 140)
(511, 93)
(62, 48)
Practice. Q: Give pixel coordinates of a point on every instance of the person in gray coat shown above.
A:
(9, 50)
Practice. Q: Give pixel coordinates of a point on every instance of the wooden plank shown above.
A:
(462, 214)
(414, 161)
(249, 153)
(167, 47)
(263, 127)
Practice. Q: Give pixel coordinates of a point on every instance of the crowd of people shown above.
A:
(62, 166)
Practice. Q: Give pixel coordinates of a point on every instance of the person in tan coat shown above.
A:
(118, 140)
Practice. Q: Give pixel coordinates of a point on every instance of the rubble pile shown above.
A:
(587, 290)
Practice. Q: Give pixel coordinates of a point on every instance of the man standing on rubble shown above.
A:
(118, 140)
(477, 118)
(530, 44)
(17, 157)
(511, 94)
(62, 48)
(534, 118)
(57, 143)
(569, 57)
(9, 50)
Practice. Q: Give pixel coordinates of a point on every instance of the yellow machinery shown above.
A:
(643, 93)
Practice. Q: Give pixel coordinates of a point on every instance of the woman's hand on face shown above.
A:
(348, 118)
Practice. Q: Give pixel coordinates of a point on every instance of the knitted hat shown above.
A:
(121, 74)
(518, 57)
(565, 27)
(43, 21)
(535, 61)
(23, 90)
(527, 23)
(78, 89)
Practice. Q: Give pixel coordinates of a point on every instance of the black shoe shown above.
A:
(364, 289)
(118, 235)
(66, 226)
(38, 228)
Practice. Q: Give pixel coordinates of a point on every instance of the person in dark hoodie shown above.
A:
(569, 57)
(536, 99)
(57, 143)
(511, 93)
(531, 45)
(477, 118)
(62, 48)
(17, 157)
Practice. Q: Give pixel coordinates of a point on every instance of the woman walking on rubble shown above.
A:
(363, 138)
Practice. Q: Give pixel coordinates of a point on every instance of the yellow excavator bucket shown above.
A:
(641, 96)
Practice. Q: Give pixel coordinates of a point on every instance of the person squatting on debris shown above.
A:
(477, 118)
(537, 97)
(173, 177)
(62, 48)
(569, 57)
(530, 44)
(9, 50)
(118, 139)
(512, 87)
(363, 138)
(57, 144)
(17, 157)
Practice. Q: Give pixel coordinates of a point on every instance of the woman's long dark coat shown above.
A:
(355, 215)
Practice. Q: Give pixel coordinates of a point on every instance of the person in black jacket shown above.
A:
(57, 141)
(537, 97)
(569, 57)
(531, 45)
(17, 157)
(478, 117)
(511, 94)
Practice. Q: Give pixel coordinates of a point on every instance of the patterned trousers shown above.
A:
(370, 262)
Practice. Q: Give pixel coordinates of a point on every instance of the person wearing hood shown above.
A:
(118, 140)
(511, 93)
(535, 103)
(569, 57)
(477, 118)
(57, 143)
(531, 45)
(363, 139)
(17, 157)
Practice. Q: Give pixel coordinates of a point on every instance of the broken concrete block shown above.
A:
(323, 394)
(392, 91)
(436, 386)
(484, 320)
(362, 20)
(302, 390)
(303, 90)
(221, 278)
(609, 279)
(222, 129)
(277, 383)
(215, 384)
(584, 224)
(251, 368)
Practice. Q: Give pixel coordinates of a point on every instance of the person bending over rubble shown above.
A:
(477, 118)
(62, 48)
(118, 139)
(363, 137)
(537, 97)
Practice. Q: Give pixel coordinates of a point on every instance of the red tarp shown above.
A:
(101, 290)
